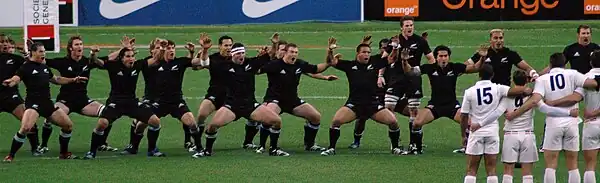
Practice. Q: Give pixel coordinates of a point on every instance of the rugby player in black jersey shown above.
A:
(442, 75)
(37, 78)
(363, 100)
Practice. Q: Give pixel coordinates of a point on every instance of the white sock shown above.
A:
(470, 179)
(507, 179)
(574, 176)
(550, 175)
(589, 177)
(492, 179)
(528, 179)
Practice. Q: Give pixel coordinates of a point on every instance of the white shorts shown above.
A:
(591, 136)
(519, 147)
(479, 145)
(562, 138)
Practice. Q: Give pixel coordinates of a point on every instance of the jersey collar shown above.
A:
(482, 82)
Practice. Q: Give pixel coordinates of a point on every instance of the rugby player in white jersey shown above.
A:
(591, 127)
(479, 101)
(562, 133)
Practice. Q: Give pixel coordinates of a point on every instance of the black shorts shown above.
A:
(242, 109)
(414, 90)
(286, 105)
(448, 110)
(217, 99)
(75, 103)
(176, 108)
(132, 108)
(394, 94)
(9, 102)
(364, 110)
(45, 107)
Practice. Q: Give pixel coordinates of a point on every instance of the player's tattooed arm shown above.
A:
(380, 78)
(274, 45)
(11, 82)
(190, 47)
(482, 51)
(59, 80)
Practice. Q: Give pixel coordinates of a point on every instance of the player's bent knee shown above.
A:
(154, 121)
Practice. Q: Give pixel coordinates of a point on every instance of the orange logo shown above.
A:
(591, 7)
(398, 8)
(531, 8)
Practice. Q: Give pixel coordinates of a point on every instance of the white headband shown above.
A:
(237, 50)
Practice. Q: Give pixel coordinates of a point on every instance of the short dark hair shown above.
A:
(595, 59)
(35, 46)
(486, 72)
(520, 77)
(122, 53)
(290, 45)
(382, 41)
(360, 46)
(70, 43)
(406, 18)
(224, 38)
(170, 42)
(583, 26)
(557, 60)
(441, 48)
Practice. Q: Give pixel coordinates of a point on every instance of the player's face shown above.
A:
(363, 55)
(11, 48)
(77, 47)
(4, 46)
(408, 28)
(585, 36)
(39, 55)
(238, 58)
(292, 54)
(170, 52)
(497, 40)
(225, 47)
(281, 51)
(129, 59)
(443, 58)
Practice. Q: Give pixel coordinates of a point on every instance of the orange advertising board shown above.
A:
(399, 8)
(591, 7)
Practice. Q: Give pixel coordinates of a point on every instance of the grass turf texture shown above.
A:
(535, 41)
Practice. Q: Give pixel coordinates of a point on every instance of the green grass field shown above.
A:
(535, 41)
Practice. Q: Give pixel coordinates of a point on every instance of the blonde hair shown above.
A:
(493, 31)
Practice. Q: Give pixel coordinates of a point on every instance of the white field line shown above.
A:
(260, 97)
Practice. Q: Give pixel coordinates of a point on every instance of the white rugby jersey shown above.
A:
(592, 97)
(482, 100)
(520, 123)
(559, 83)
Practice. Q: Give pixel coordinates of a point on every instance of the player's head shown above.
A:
(4, 43)
(497, 39)
(363, 52)
(75, 46)
(383, 44)
(595, 59)
(291, 53)
(11, 46)
(170, 50)
(281, 49)
(38, 52)
(486, 72)
(442, 55)
(152, 47)
(225, 43)
(127, 56)
(557, 60)
(407, 24)
(238, 53)
(520, 78)
(584, 34)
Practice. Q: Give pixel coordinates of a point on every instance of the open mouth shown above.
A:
(586, 40)
(293, 59)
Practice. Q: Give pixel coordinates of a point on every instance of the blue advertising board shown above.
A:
(197, 12)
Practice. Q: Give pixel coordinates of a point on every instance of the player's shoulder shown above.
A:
(571, 46)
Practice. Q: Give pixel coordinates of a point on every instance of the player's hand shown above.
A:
(95, 49)
(264, 50)
(405, 54)
(197, 68)
(483, 50)
(189, 46)
(475, 127)
(380, 82)
(331, 77)
(332, 43)
(366, 40)
(8, 82)
(385, 54)
(574, 113)
(127, 42)
(80, 79)
(587, 114)
(424, 35)
(275, 38)
(205, 41)
(527, 91)
(509, 115)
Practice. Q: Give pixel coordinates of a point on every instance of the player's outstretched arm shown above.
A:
(331, 45)
(591, 113)
(274, 45)
(482, 51)
(94, 55)
(126, 42)
(566, 101)
(380, 78)
(556, 111)
(323, 77)
(525, 66)
(528, 105)
(11, 82)
(59, 80)
(205, 44)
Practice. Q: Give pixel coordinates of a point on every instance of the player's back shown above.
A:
(559, 83)
(520, 123)
(592, 97)
(480, 101)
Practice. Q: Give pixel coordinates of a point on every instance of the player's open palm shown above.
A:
(332, 43)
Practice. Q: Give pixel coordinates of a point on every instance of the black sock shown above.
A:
(210, 140)
(97, 137)
(274, 138)
(200, 131)
(418, 135)
(251, 130)
(153, 133)
(187, 137)
(410, 127)
(357, 138)
(33, 137)
(105, 136)
(310, 134)
(334, 135)
(17, 142)
(132, 131)
(394, 137)
(197, 135)
(136, 140)
(63, 139)
(264, 135)
(46, 132)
